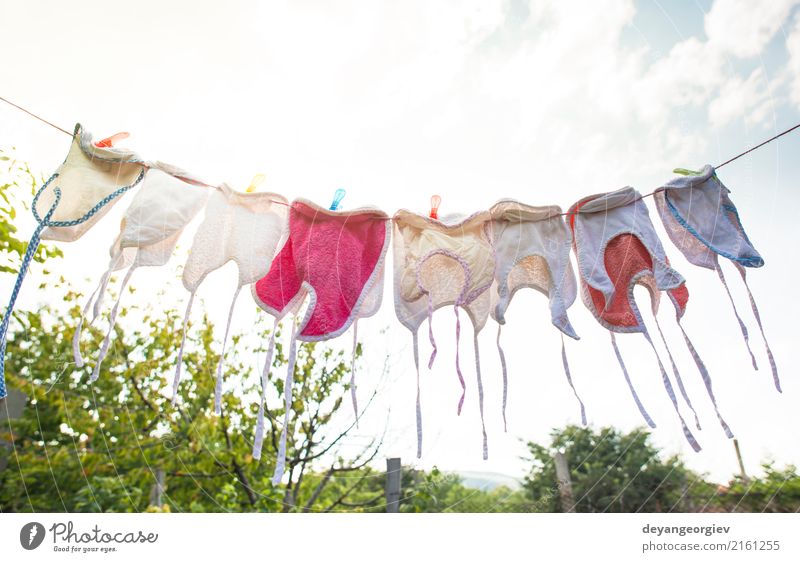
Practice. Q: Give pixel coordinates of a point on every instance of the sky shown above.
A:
(544, 102)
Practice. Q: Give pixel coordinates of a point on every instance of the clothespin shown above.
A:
(435, 202)
(685, 172)
(337, 198)
(257, 180)
(108, 142)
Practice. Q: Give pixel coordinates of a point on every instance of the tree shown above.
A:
(17, 185)
(778, 491)
(612, 471)
(443, 492)
(86, 447)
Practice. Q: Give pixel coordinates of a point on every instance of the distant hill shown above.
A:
(488, 480)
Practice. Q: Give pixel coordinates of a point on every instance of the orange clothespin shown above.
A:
(435, 202)
(108, 142)
(257, 180)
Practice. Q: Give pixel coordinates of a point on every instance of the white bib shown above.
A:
(149, 231)
(531, 249)
(702, 221)
(246, 228)
(88, 176)
(440, 263)
(617, 248)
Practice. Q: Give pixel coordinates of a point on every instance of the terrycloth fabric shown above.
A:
(617, 248)
(149, 231)
(438, 263)
(531, 249)
(442, 263)
(89, 175)
(159, 212)
(245, 228)
(598, 220)
(702, 221)
(337, 259)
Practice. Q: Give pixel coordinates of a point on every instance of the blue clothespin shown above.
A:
(337, 198)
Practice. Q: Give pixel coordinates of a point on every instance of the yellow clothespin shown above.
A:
(257, 180)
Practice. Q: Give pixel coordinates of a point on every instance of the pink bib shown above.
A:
(336, 258)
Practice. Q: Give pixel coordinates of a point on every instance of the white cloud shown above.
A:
(687, 75)
(742, 27)
(742, 98)
(793, 64)
(696, 73)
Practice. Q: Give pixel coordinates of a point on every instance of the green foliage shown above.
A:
(611, 471)
(442, 492)
(778, 491)
(17, 186)
(96, 447)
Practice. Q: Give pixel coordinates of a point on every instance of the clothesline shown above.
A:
(284, 257)
(203, 184)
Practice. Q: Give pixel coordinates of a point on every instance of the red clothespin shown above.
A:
(435, 202)
(108, 142)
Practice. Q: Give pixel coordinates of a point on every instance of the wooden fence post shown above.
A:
(564, 483)
(393, 474)
(158, 489)
(11, 408)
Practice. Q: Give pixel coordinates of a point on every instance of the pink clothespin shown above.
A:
(435, 202)
(108, 142)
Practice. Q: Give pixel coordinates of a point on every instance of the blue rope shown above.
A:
(33, 245)
(92, 212)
